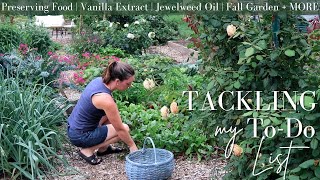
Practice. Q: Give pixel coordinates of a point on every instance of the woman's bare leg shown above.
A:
(112, 137)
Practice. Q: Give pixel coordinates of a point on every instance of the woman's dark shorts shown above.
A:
(88, 139)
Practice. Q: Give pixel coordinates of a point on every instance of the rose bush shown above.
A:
(131, 34)
(245, 59)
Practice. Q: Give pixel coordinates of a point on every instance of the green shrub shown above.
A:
(110, 51)
(165, 30)
(35, 37)
(135, 35)
(29, 140)
(88, 41)
(183, 29)
(38, 38)
(132, 39)
(10, 37)
(249, 61)
(170, 80)
(121, 19)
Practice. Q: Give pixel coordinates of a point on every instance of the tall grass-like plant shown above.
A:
(29, 140)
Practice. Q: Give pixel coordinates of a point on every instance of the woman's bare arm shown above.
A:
(105, 101)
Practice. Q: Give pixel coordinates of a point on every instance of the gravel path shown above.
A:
(113, 168)
(176, 51)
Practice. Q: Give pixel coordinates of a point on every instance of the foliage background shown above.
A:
(250, 61)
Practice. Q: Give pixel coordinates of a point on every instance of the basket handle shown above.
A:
(154, 148)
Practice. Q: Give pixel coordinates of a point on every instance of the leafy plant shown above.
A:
(32, 68)
(248, 60)
(87, 41)
(30, 143)
(170, 80)
(10, 37)
(38, 38)
(165, 29)
(134, 34)
(173, 134)
(91, 73)
(110, 51)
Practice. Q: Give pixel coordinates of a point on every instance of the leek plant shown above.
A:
(29, 136)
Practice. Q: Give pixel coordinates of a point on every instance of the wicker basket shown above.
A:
(149, 163)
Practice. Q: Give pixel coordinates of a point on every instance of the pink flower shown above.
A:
(97, 56)
(75, 75)
(1, 54)
(78, 79)
(50, 53)
(115, 58)
(38, 58)
(63, 78)
(84, 66)
(23, 48)
(54, 57)
(65, 59)
(86, 55)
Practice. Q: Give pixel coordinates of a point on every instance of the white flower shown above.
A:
(143, 20)
(148, 84)
(151, 35)
(231, 30)
(111, 23)
(164, 112)
(126, 25)
(2, 152)
(44, 74)
(130, 36)
(136, 22)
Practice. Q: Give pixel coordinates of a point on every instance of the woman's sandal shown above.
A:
(93, 160)
(110, 150)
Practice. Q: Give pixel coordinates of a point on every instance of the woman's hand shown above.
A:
(133, 148)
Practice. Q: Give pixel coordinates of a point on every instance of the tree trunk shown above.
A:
(80, 23)
(12, 19)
